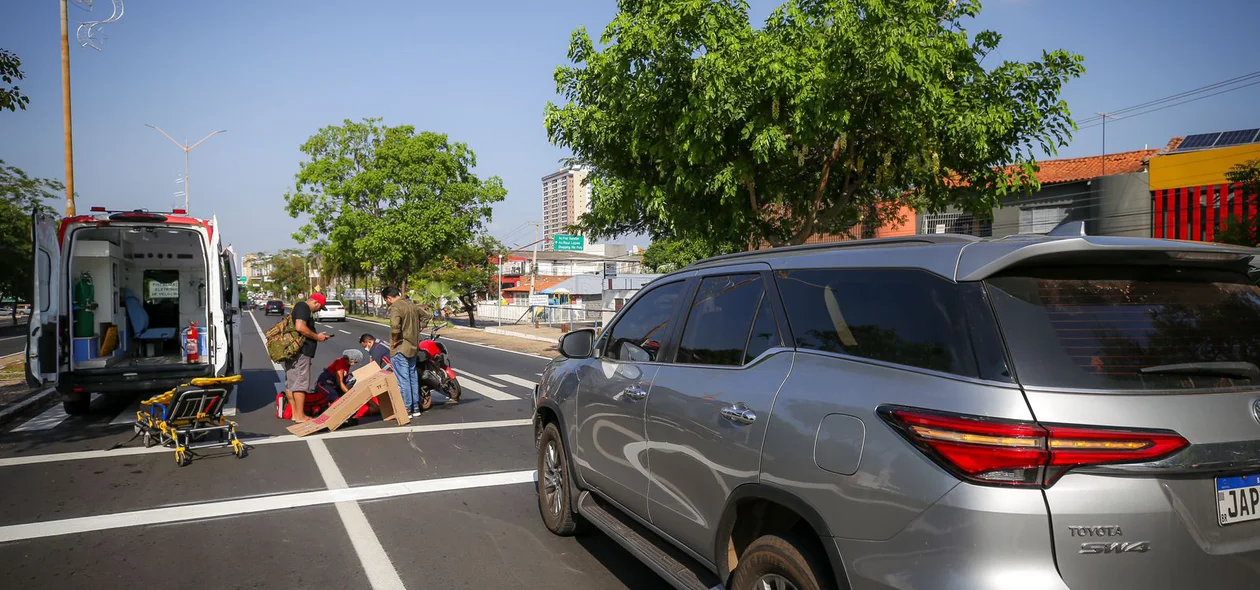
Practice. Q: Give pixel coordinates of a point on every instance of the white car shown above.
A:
(333, 310)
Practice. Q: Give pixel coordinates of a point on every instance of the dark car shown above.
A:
(274, 306)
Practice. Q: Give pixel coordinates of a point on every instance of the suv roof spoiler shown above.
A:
(980, 261)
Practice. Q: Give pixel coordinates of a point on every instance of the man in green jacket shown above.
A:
(406, 320)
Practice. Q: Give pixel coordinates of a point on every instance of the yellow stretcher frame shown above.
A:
(180, 417)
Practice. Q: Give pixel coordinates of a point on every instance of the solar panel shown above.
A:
(1201, 140)
(1237, 137)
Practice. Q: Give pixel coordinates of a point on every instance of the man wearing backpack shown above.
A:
(298, 370)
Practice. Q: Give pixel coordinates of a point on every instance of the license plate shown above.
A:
(1238, 499)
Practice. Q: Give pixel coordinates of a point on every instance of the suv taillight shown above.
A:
(1024, 454)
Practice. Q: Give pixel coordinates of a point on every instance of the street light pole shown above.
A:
(186, 148)
(65, 105)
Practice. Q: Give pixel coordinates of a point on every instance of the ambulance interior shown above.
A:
(134, 292)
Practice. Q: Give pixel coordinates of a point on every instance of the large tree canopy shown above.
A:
(388, 199)
(699, 125)
(671, 254)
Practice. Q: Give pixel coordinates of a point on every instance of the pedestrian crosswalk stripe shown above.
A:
(127, 416)
(479, 378)
(48, 420)
(514, 380)
(190, 512)
(488, 391)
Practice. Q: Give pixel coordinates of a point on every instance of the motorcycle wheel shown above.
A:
(453, 391)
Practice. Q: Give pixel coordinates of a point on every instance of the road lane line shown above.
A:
(49, 419)
(480, 378)
(190, 512)
(343, 331)
(263, 336)
(26, 402)
(486, 390)
(380, 571)
(12, 338)
(537, 356)
(514, 380)
(267, 440)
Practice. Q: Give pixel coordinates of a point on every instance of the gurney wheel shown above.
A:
(147, 438)
(240, 452)
(182, 458)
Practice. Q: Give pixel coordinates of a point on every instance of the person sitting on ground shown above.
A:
(337, 380)
(377, 350)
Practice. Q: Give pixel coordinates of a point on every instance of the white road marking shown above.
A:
(49, 419)
(262, 336)
(537, 356)
(489, 392)
(514, 380)
(479, 378)
(12, 338)
(189, 512)
(343, 331)
(128, 416)
(266, 440)
(26, 402)
(380, 570)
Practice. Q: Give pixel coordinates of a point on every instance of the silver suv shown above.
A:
(935, 412)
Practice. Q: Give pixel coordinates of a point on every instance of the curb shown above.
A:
(37, 400)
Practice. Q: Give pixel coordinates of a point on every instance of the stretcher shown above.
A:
(185, 418)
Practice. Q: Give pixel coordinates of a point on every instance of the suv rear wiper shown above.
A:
(1242, 369)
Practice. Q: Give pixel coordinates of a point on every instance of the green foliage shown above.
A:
(388, 199)
(1236, 230)
(698, 125)
(288, 275)
(20, 195)
(668, 255)
(468, 273)
(11, 97)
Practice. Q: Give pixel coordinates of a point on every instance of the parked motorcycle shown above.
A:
(435, 371)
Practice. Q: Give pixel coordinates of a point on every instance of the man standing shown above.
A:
(404, 343)
(297, 371)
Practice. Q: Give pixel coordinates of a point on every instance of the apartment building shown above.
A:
(565, 198)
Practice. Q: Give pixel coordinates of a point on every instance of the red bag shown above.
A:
(284, 411)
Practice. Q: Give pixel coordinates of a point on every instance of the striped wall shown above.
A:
(1198, 213)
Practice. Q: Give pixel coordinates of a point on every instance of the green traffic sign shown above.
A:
(568, 242)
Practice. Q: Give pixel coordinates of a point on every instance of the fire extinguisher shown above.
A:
(190, 343)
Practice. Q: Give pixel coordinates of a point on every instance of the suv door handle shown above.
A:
(634, 393)
(739, 414)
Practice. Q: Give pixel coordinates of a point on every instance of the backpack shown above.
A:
(283, 340)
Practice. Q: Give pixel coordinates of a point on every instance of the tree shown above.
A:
(671, 254)
(835, 113)
(288, 274)
(1235, 229)
(11, 97)
(389, 199)
(468, 272)
(20, 195)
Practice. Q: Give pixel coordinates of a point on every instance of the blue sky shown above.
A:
(274, 72)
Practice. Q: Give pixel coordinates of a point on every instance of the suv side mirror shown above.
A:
(578, 344)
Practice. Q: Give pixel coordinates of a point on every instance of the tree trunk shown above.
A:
(472, 317)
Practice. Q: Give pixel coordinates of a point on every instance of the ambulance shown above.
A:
(130, 302)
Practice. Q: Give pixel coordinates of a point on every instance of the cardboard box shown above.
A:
(369, 382)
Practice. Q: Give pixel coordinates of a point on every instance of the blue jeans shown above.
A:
(408, 380)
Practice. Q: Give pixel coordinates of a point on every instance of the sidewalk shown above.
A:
(541, 342)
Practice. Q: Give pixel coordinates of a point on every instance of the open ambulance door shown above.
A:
(43, 348)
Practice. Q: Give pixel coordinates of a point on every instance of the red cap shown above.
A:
(319, 298)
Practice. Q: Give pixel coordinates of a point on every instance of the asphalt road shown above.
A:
(12, 338)
(446, 502)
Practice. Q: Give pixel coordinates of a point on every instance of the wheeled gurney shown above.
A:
(184, 418)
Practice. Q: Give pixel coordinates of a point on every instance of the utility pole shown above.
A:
(186, 148)
(533, 271)
(499, 299)
(65, 105)
(1104, 116)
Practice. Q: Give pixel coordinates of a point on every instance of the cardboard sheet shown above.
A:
(370, 382)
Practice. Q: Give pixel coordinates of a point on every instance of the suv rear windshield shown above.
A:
(1128, 328)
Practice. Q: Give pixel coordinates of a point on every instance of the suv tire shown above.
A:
(555, 503)
(779, 563)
